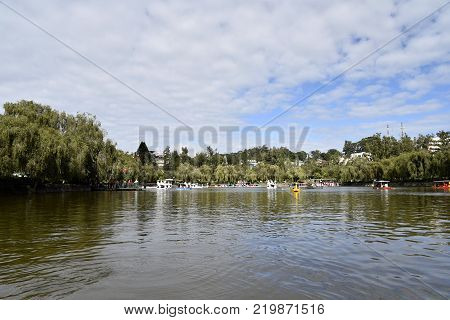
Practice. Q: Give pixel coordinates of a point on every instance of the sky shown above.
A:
(232, 63)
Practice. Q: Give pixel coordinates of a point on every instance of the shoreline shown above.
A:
(16, 186)
(425, 183)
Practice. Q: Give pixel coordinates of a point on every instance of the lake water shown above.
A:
(335, 243)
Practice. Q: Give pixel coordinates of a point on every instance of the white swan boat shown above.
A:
(271, 184)
(198, 186)
(164, 184)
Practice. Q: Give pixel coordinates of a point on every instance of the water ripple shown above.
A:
(342, 243)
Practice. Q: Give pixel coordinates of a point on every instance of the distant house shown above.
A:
(297, 163)
(356, 155)
(360, 155)
(320, 161)
(343, 160)
(435, 144)
(159, 159)
(252, 163)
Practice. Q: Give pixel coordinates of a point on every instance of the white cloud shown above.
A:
(424, 81)
(219, 62)
(392, 108)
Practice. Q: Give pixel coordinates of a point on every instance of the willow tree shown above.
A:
(184, 172)
(50, 146)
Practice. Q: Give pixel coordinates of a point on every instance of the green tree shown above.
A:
(422, 141)
(316, 154)
(144, 154)
(406, 144)
(176, 160)
(200, 159)
(184, 157)
(184, 172)
(48, 146)
(349, 148)
(444, 137)
(332, 155)
(167, 158)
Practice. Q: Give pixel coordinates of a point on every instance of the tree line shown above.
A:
(53, 147)
(49, 146)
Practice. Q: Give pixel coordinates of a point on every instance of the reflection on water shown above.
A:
(333, 243)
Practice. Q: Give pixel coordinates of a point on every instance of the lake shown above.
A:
(333, 243)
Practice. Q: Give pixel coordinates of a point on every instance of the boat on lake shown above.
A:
(381, 185)
(254, 185)
(184, 186)
(314, 184)
(164, 184)
(329, 183)
(302, 185)
(190, 186)
(271, 184)
(198, 186)
(441, 185)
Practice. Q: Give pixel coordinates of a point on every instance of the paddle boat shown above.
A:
(315, 184)
(271, 184)
(441, 185)
(198, 186)
(184, 186)
(164, 184)
(382, 185)
(295, 189)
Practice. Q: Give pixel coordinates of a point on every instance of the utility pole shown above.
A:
(402, 129)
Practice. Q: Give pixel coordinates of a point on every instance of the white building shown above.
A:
(359, 155)
(252, 163)
(159, 159)
(320, 161)
(435, 144)
(297, 163)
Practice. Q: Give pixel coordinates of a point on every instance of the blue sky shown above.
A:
(233, 63)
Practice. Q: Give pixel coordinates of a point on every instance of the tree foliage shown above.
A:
(50, 146)
(47, 145)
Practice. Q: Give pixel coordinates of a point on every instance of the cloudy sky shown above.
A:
(233, 63)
